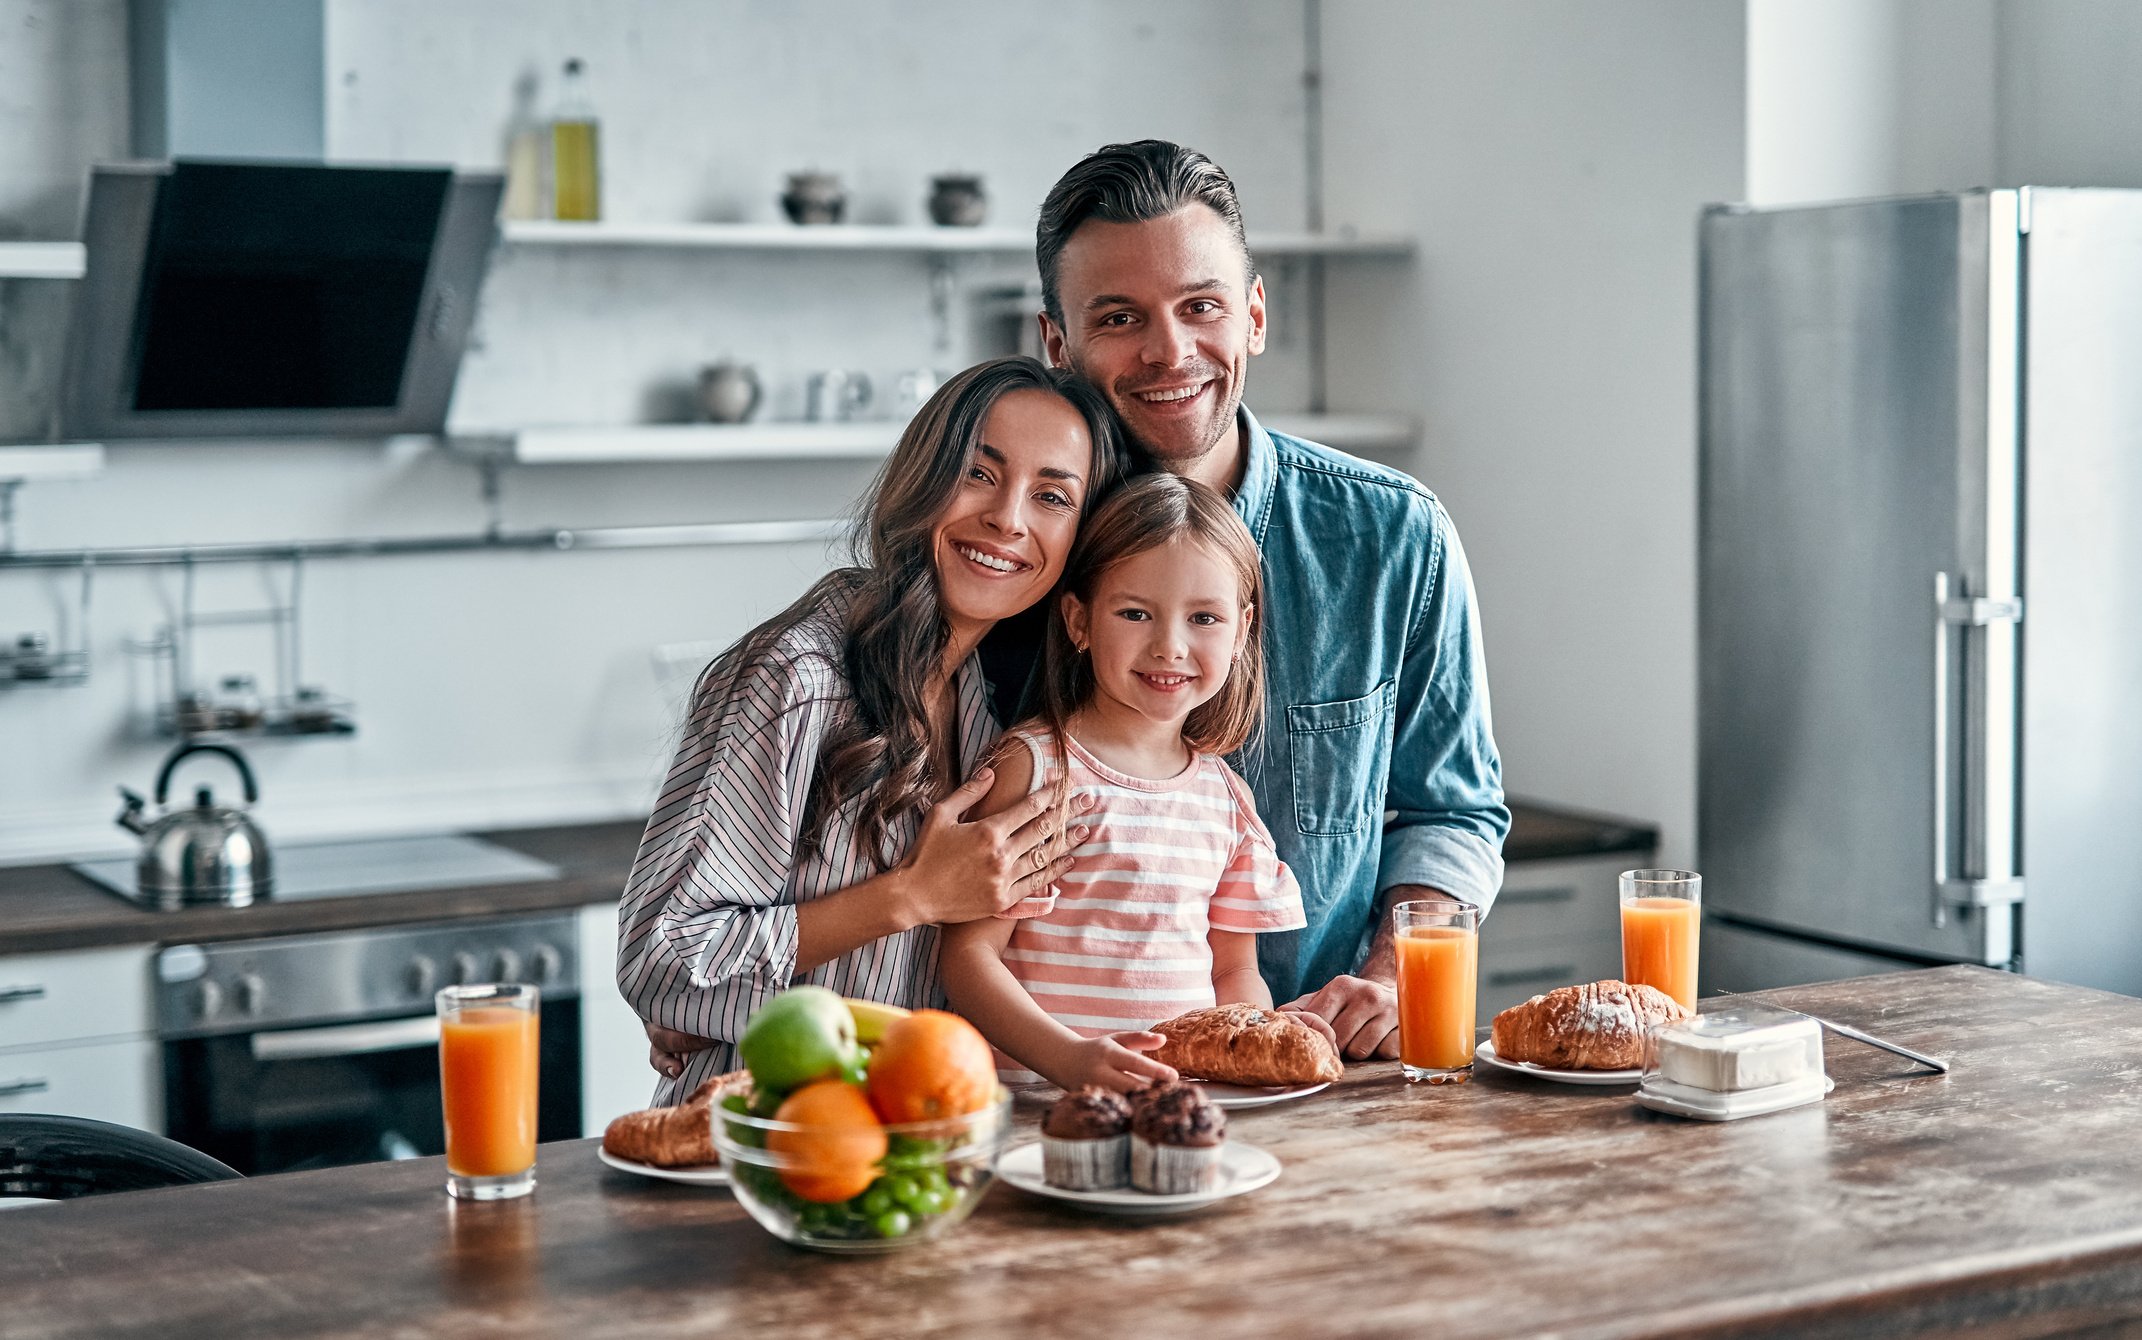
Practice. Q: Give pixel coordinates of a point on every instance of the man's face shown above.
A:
(1162, 317)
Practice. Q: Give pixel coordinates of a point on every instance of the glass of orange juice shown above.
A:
(1661, 911)
(487, 1075)
(1438, 948)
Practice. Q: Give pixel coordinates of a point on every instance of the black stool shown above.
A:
(60, 1158)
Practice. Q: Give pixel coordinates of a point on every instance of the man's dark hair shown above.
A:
(1131, 183)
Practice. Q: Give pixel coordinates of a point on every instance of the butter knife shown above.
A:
(1847, 1031)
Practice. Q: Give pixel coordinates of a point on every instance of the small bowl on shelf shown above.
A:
(842, 1188)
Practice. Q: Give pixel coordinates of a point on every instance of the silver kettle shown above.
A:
(208, 853)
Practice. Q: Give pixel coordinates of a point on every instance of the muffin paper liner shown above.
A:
(1172, 1170)
(1085, 1165)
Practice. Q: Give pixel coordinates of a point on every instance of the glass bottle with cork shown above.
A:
(575, 167)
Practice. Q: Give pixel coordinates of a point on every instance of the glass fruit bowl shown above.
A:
(857, 1188)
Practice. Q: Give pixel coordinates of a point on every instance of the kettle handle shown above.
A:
(245, 773)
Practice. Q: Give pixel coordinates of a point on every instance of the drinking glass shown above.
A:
(487, 1075)
(1438, 947)
(1661, 911)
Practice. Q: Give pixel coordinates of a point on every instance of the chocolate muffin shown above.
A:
(1085, 1141)
(1177, 1139)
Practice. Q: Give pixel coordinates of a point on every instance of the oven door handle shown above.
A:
(305, 1044)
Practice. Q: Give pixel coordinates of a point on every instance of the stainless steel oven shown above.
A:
(306, 1051)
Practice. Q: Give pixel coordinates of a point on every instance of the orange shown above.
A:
(835, 1156)
(929, 1066)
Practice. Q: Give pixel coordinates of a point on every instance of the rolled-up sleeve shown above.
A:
(707, 926)
(1447, 818)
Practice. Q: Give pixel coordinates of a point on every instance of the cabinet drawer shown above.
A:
(109, 1081)
(1513, 974)
(1556, 900)
(72, 996)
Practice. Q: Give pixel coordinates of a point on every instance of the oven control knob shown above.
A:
(207, 998)
(464, 968)
(547, 963)
(250, 992)
(422, 976)
(506, 966)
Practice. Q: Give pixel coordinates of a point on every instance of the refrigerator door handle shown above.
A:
(1974, 888)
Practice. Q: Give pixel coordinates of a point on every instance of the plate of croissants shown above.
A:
(1248, 1057)
(674, 1144)
(1588, 1034)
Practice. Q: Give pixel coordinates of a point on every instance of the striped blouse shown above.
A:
(1120, 942)
(707, 927)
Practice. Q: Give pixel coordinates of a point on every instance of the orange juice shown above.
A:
(487, 1069)
(1658, 945)
(1438, 967)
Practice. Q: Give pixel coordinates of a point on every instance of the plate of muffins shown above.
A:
(1161, 1150)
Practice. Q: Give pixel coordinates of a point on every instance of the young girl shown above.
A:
(1151, 672)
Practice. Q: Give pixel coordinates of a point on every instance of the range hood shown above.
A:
(251, 299)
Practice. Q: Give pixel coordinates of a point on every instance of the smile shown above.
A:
(1172, 396)
(989, 561)
(1165, 683)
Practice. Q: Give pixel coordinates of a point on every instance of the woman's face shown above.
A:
(1001, 542)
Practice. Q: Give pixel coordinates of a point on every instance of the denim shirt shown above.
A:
(1377, 763)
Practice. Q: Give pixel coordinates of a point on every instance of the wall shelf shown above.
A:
(42, 260)
(835, 441)
(926, 239)
(63, 460)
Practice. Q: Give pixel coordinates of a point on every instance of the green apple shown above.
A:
(806, 1033)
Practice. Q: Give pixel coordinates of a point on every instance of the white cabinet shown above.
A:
(1555, 923)
(75, 1036)
(614, 1075)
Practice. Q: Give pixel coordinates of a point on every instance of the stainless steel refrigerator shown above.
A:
(1921, 587)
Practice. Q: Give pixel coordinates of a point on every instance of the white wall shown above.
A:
(1853, 98)
(513, 688)
(2070, 90)
(1551, 156)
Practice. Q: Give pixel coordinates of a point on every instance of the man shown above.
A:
(1378, 774)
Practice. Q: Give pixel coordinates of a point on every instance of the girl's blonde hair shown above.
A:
(1144, 514)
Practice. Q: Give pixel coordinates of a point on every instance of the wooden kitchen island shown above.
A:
(2004, 1198)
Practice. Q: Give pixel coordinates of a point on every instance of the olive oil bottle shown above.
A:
(575, 151)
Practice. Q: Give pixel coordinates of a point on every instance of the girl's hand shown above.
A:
(965, 871)
(1117, 1062)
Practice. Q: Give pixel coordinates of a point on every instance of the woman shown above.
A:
(810, 828)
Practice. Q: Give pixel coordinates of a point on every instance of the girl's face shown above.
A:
(1163, 628)
(1000, 544)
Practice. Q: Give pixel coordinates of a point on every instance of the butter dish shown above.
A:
(1741, 1061)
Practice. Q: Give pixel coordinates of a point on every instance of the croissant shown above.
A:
(1596, 1026)
(1241, 1044)
(670, 1137)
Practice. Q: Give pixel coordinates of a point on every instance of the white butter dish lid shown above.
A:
(1682, 1100)
(1741, 1047)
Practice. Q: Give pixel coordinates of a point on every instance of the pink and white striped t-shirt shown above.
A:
(1119, 943)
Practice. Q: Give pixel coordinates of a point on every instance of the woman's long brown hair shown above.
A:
(1144, 514)
(878, 743)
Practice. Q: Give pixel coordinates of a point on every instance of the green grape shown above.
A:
(892, 1224)
(936, 1200)
(877, 1200)
(906, 1188)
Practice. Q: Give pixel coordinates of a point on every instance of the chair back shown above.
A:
(60, 1158)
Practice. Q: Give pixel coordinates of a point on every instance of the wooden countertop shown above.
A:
(2000, 1198)
(49, 907)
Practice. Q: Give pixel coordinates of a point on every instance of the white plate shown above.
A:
(1248, 1095)
(1681, 1101)
(1242, 1168)
(1485, 1054)
(714, 1176)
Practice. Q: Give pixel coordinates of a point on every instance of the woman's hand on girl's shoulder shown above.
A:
(1116, 1061)
(1013, 847)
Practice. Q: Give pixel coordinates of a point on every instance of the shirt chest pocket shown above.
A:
(1341, 752)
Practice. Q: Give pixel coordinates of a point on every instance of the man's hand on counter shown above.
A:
(669, 1048)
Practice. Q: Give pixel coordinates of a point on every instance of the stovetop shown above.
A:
(372, 865)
